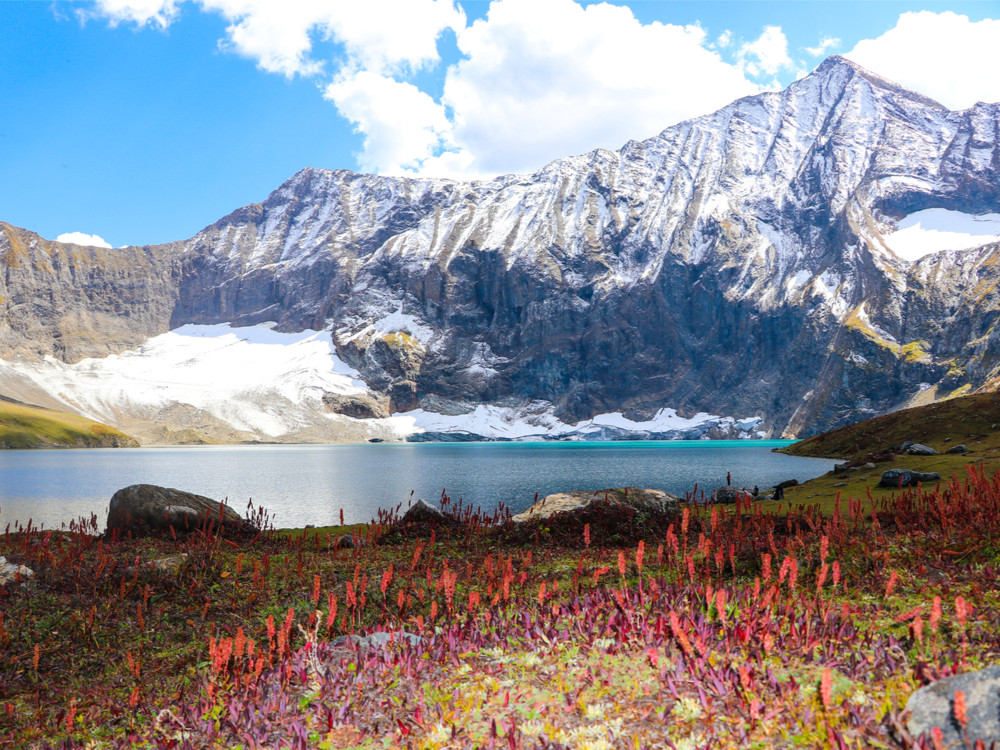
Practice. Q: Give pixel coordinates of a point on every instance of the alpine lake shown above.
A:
(312, 484)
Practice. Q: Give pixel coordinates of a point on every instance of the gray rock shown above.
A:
(868, 466)
(894, 478)
(933, 706)
(142, 508)
(14, 573)
(728, 495)
(957, 449)
(423, 512)
(653, 502)
(170, 564)
(916, 449)
(377, 640)
(840, 484)
(346, 541)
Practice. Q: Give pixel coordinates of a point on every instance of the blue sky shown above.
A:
(142, 121)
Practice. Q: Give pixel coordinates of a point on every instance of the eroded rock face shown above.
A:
(145, 508)
(652, 502)
(359, 406)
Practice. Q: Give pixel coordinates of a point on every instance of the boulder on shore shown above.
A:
(147, 508)
(895, 478)
(422, 512)
(933, 706)
(728, 495)
(651, 502)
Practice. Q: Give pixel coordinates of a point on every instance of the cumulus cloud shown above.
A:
(140, 12)
(942, 55)
(537, 79)
(376, 34)
(826, 44)
(402, 126)
(546, 78)
(766, 55)
(79, 238)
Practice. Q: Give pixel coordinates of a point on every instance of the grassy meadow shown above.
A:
(742, 626)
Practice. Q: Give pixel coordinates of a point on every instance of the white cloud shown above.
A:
(942, 55)
(548, 78)
(79, 238)
(538, 79)
(140, 12)
(725, 39)
(767, 55)
(402, 126)
(826, 44)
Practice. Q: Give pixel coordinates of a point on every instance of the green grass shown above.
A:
(24, 426)
(967, 420)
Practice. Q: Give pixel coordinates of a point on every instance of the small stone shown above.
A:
(14, 573)
(375, 640)
(169, 564)
(346, 541)
(869, 466)
(957, 449)
(840, 484)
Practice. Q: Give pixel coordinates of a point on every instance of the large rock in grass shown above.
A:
(651, 502)
(895, 478)
(934, 706)
(147, 508)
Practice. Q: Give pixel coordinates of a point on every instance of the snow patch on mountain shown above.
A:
(254, 378)
(537, 420)
(936, 229)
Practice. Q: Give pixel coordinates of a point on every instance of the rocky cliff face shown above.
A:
(735, 264)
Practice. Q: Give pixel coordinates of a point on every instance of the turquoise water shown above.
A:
(310, 484)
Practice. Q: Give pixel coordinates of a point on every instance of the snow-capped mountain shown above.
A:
(757, 262)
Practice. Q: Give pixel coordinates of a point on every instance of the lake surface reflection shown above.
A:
(310, 484)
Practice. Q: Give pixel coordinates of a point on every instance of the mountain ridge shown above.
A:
(736, 263)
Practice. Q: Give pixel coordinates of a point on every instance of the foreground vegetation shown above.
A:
(24, 426)
(731, 627)
(801, 624)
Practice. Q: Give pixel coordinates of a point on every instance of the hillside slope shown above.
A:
(24, 426)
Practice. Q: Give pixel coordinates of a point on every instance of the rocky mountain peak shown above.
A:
(739, 263)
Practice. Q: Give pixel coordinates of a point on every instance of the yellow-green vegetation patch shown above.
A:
(402, 340)
(858, 321)
(915, 351)
(25, 426)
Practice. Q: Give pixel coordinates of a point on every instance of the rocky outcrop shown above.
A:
(735, 264)
(358, 406)
(651, 503)
(145, 508)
